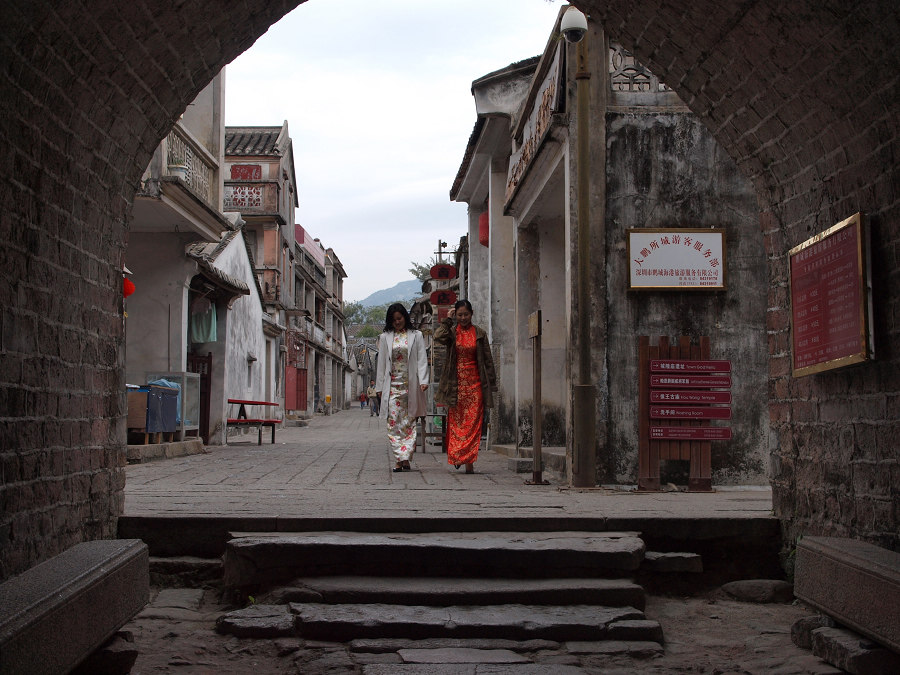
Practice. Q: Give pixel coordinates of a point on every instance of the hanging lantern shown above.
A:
(484, 228)
(127, 287)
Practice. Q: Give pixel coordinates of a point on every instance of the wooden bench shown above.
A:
(243, 420)
(56, 614)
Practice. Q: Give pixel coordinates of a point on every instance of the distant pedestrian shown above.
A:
(401, 381)
(373, 399)
(467, 383)
(362, 400)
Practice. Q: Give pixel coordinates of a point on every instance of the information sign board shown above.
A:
(661, 412)
(690, 433)
(710, 381)
(702, 397)
(673, 366)
(682, 259)
(831, 299)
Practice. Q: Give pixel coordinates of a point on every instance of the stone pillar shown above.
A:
(503, 307)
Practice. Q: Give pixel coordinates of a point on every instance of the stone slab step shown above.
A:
(253, 559)
(511, 622)
(444, 591)
(345, 623)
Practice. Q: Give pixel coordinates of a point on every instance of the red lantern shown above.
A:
(127, 287)
(484, 228)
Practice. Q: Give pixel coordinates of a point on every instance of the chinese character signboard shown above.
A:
(831, 299)
(681, 259)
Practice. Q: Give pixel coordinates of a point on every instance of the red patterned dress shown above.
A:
(465, 419)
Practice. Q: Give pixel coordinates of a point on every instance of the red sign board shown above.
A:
(443, 298)
(710, 381)
(701, 397)
(246, 172)
(829, 304)
(443, 271)
(661, 412)
(673, 366)
(690, 433)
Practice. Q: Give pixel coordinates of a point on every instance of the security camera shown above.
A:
(573, 25)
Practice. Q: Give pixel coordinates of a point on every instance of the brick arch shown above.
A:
(803, 95)
(87, 90)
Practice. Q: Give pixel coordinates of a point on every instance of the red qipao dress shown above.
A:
(464, 420)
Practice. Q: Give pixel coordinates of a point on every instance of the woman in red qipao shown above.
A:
(467, 383)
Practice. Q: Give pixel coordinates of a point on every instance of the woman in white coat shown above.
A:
(401, 382)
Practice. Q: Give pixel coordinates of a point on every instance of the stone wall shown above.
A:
(666, 170)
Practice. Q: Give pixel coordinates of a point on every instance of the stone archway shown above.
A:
(88, 90)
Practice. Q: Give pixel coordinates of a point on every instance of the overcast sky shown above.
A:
(377, 96)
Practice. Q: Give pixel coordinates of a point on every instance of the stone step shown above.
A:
(253, 560)
(443, 591)
(344, 623)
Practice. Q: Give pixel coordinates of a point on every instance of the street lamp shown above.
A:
(573, 27)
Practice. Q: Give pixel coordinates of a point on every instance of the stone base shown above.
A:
(59, 612)
(856, 583)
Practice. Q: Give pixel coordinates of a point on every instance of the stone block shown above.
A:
(74, 601)
(846, 650)
(856, 583)
(801, 631)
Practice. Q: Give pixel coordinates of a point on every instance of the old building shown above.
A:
(196, 316)
(260, 185)
(652, 165)
(318, 357)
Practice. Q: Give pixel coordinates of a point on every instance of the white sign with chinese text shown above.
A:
(676, 259)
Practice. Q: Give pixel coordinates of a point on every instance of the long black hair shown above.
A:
(464, 303)
(389, 317)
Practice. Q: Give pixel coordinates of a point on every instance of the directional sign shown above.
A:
(710, 381)
(690, 433)
(674, 366)
(702, 397)
(661, 412)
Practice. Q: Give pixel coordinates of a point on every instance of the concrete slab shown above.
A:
(512, 622)
(75, 601)
(460, 655)
(254, 559)
(855, 582)
(446, 591)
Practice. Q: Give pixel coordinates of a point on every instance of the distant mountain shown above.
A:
(402, 292)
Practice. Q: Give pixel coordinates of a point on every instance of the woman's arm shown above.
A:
(421, 361)
(443, 334)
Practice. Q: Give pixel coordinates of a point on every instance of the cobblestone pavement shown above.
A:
(339, 466)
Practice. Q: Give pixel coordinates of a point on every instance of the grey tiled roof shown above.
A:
(252, 141)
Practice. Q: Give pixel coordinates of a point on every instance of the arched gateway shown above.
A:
(803, 95)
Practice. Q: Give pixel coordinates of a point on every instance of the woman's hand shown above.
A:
(423, 387)
(452, 313)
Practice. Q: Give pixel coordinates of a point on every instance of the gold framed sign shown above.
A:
(831, 299)
(676, 259)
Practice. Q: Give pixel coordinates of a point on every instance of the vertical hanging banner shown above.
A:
(831, 299)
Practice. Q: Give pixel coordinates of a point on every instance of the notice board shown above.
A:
(831, 299)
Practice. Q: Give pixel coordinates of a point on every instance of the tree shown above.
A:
(367, 331)
(422, 272)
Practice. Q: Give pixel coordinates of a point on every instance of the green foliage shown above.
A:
(367, 332)
(357, 313)
(422, 271)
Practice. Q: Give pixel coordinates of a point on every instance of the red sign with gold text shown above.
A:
(830, 307)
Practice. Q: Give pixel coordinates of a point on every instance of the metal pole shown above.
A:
(584, 464)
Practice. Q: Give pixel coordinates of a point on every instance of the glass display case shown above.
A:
(188, 413)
